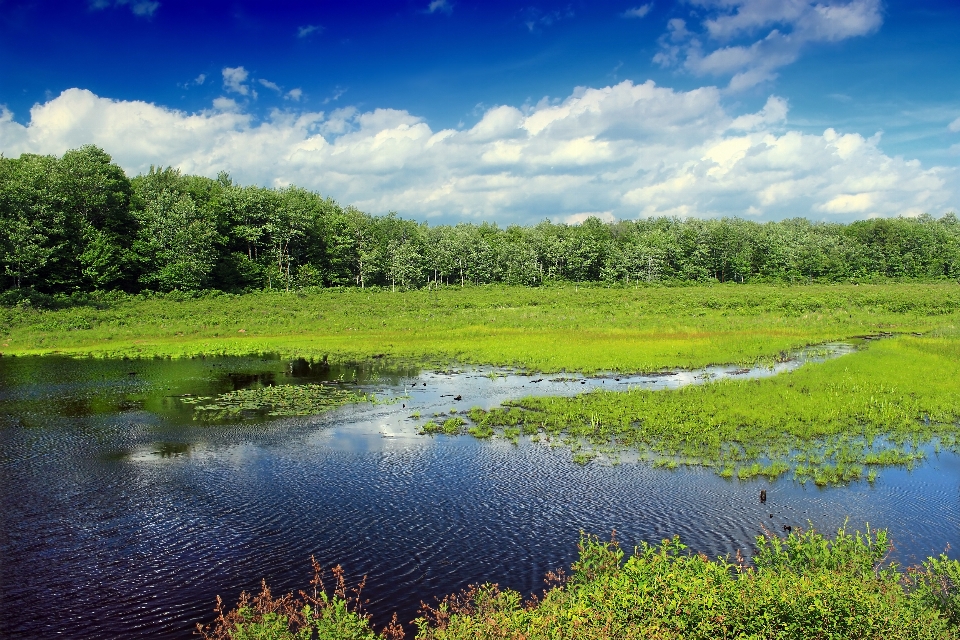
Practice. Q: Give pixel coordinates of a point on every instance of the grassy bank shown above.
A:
(548, 329)
(830, 422)
(798, 587)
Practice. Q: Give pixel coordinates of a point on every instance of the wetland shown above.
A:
(433, 440)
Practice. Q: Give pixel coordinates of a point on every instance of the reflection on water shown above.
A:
(122, 516)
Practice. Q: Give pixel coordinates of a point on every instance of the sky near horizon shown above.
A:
(450, 110)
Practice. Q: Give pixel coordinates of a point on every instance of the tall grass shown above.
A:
(318, 612)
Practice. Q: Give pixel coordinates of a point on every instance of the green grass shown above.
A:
(829, 423)
(549, 329)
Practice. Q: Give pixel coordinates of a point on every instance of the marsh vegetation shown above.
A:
(830, 423)
(537, 329)
(890, 404)
(803, 585)
(272, 401)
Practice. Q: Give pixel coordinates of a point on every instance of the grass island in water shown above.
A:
(829, 422)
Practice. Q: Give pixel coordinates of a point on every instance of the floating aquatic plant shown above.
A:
(280, 400)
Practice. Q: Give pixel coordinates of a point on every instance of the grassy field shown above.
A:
(549, 329)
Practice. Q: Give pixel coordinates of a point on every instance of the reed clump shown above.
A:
(317, 612)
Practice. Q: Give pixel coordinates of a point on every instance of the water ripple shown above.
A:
(129, 522)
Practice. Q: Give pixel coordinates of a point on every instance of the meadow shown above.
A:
(549, 329)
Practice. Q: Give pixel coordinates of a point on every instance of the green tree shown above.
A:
(177, 242)
(95, 194)
(34, 236)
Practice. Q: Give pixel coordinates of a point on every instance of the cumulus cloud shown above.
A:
(954, 126)
(142, 8)
(749, 40)
(638, 12)
(294, 94)
(234, 79)
(225, 104)
(620, 151)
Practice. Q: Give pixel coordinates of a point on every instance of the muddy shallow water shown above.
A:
(124, 517)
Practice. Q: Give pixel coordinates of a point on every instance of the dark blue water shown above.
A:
(122, 517)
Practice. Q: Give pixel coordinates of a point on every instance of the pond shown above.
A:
(123, 515)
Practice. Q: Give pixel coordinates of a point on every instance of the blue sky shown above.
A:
(511, 112)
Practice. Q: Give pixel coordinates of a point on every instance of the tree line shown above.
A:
(78, 223)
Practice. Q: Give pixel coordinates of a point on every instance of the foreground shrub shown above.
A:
(802, 586)
(316, 614)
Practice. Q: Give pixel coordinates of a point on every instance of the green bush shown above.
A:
(314, 615)
(800, 586)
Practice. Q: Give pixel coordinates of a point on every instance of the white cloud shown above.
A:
(620, 151)
(849, 203)
(225, 104)
(270, 85)
(439, 5)
(200, 79)
(638, 12)
(772, 113)
(234, 79)
(751, 39)
(142, 8)
(294, 94)
(307, 30)
(954, 126)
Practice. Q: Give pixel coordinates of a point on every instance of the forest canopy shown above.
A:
(78, 223)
